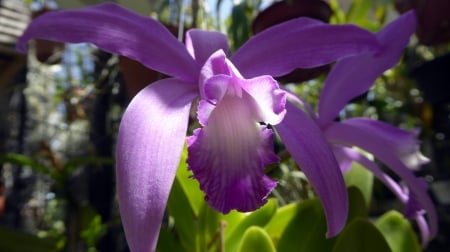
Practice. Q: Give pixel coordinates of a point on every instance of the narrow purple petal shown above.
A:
(201, 44)
(354, 155)
(402, 143)
(350, 135)
(149, 146)
(117, 30)
(300, 43)
(309, 148)
(228, 157)
(413, 208)
(353, 76)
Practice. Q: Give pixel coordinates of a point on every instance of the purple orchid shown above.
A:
(238, 100)
(398, 149)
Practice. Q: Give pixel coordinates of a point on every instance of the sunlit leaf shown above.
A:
(398, 232)
(361, 178)
(259, 218)
(280, 220)
(256, 239)
(184, 218)
(189, 185)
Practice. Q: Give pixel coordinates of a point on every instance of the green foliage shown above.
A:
(16, 241)
(361, 178)
(361, 235)
(256, 239)
(298, 226)
(398, 232)
(92, 227)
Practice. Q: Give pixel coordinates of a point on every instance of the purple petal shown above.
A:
(149, 146)
(354, 155)
(353, 76)
(309, 148)
(351, 135)
(117, 30)
(219, 77)
(202, 44)
(403, 144)
(300, 43)
(413, 208)
(228, 157)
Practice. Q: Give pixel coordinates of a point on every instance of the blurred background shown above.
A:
(61, 104)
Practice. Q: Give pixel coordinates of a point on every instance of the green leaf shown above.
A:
(398, 232)
(19, 159)
(167, 242)
(362, 178)
(240, 25)
(208, 228)
(357, 205)
(259, 218)
(184, 204)
(256, 239)
(361, 235)
(16, 241)
(92, 227)
(306, 230)
(358, 11)
(184, 218)
(280, 220)
(189, 185)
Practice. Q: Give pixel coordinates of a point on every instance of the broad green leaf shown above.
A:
(362, 178)
(184, 217)
(398, 232)
(16, 241)
(189, 185)
(259, 218)
(357, 205)
(280, 220)
(167, 242)
(361, 235)
(306, 230)
(231, 220)
(209, 231)
(256, 239)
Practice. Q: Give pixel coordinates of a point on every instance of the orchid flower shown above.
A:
(238, 99)
(397, 148)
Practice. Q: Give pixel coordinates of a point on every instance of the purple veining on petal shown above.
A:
(228, 157)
